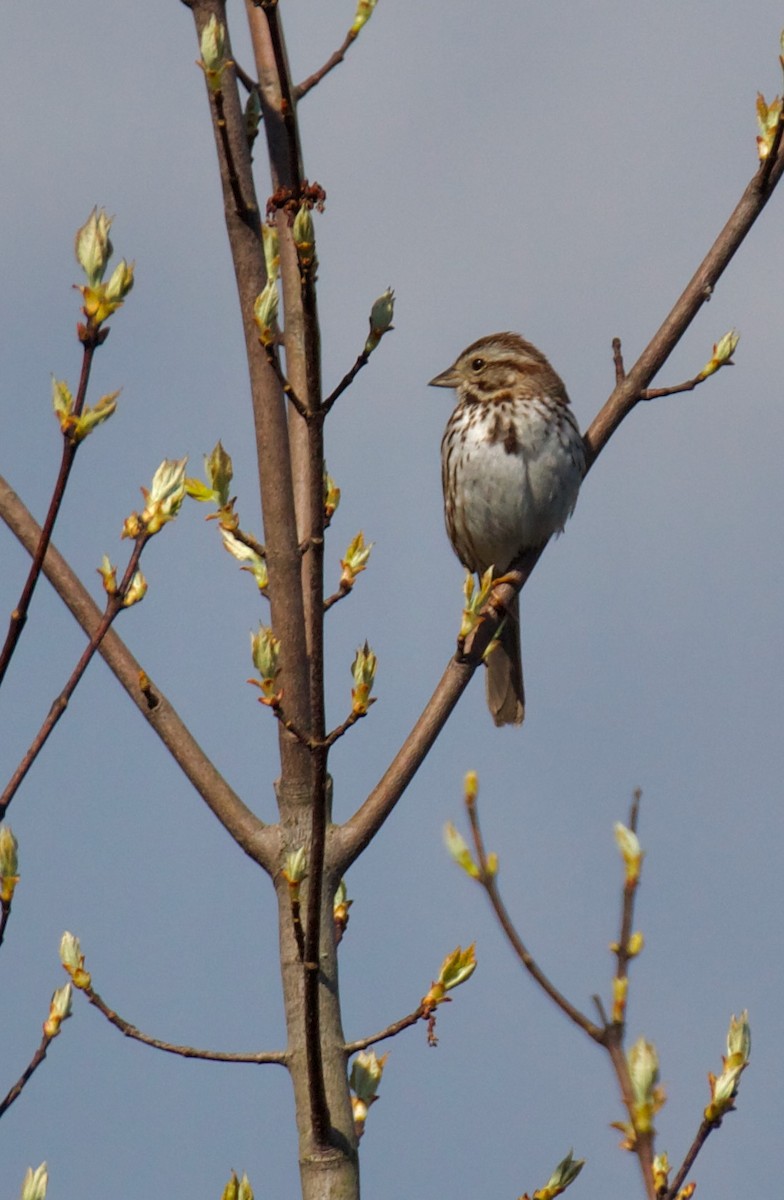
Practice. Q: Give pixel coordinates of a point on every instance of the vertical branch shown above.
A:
(243, 225)
(303, 370)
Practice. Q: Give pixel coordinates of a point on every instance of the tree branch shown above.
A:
(488, 882)
(303, 88)
(93, 338)
(130, 1031)
(114, 606)
(358, 831)
(258, 841)
(391, 1030)
(23, 1079)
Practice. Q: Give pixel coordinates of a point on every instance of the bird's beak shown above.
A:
(448, 378)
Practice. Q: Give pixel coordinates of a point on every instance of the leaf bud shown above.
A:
(723, 351)
(331, 498)
(9, 864)
(73, 960)
(363, 670)
(93, 246)
(59, 1010)
(459, 851)
(265, 312)
(213, 59)
(35, 1183)
(362, 16)
(251, 560)
(355, 560)
(629, 846)
(564, 1174)
(380, 319)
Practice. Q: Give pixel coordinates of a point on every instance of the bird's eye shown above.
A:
(477, 364)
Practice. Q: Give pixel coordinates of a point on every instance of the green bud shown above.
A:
(73, 960)
(136, 591)
(231, 1190)
(265, 312)
(631, 852)
(108, 574)
(35, 1183)
(380, 319)
(362, 16)
(245, 1190)
(120, 283)
(365, 1077)
(213, 60)
(564, 1174)
(219, 470)
(295, 866)
(9, 864)
(363, 670)
(331, 497)
(269, 235)
(93, 246)
(457, 967)
(59, 1010)
(723, 351)
(355, 559)
(265, 649)
(458, 849)
(304, 237)
(166, 494)
(252, 561)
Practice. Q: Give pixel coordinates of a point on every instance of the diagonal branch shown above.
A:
(696, 293)
(70, 447)
(114, 606)
(350, 839)
(391, 1030)
(35, 1062)
(487, 881)
(258, 841)
(333, 61)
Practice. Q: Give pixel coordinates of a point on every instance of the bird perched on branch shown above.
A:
(512, 461)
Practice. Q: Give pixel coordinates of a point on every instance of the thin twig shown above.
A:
(342, 591)
(488, 882)
(391, 1030)
(620, 371)
(303, 88)
(627, 907)
(114, 606)
(702, 1135)
(346, 381)
(90, 342)
(23, 1079)
(5, 913)
(688, 386)
(288, 391)
(130, 1031)
(247, 81)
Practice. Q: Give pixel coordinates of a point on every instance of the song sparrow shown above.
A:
(512, 461)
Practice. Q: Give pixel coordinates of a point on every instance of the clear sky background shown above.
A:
(555, 168)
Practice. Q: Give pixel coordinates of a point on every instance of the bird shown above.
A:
(512, 461)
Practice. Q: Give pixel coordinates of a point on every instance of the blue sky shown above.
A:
(554, 169)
